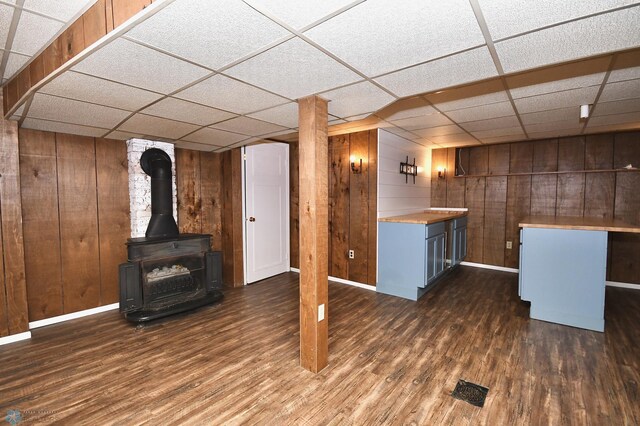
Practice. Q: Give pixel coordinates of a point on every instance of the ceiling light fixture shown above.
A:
(584, 111)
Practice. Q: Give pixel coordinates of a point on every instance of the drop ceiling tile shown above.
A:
(293, 69)
(96, 90)
(379, 37)
(33, 33)
(557, 100)
(439, 131)
(630, 117)
(196, 146)
(225, 93)
(6, 15)
(124, 136)
(214, 137)
(557, 86)
(14, 63)
(406, 108)
(459, 144)
(617, 107)
(491, 123)
(358, 117)
(356, 99)
(516, 132)
(509, 17)
(337, 121)
(627, 67)
(53, 108)
(458, 69)
(53, 126)
(614, 128)
(570, 125)
(422, 122)
(554, 133)
(219, 32)
(620, 90)
(578, 39)
(562, 114)
(188, 112)
(63, 10)
(284, 115)
(248, 126)
(149, 125)
(299, 13)
(401, 132)
(457, 138)
(126, 62)
(500, 109)
(500, 139)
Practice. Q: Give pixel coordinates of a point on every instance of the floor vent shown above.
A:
(470, 392)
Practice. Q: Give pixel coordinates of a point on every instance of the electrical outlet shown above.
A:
(320, 312)
(509, 245)
(352, 254)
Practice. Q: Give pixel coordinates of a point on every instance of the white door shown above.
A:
(267, 210)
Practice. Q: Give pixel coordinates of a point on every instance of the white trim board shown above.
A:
(342, 281)
(623, 285)
(73, 315)
(15, 338)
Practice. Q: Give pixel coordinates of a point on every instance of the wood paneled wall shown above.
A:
(352, 206)
(573, 176)
(75, 220)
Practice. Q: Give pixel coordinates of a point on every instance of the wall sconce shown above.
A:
(584, 111)
(354, 169)
(442, 172)
(408, 169)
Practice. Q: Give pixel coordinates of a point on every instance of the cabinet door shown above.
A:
(432, 254)
(440, 259)
(460, 249)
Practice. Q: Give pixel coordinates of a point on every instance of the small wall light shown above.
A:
(442, 172)
(354, 169)
(408, 169)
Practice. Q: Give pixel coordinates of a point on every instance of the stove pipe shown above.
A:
(157, 164)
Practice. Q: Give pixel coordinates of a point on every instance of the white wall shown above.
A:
(395, 197)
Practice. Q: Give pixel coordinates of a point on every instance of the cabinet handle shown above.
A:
(252, 219)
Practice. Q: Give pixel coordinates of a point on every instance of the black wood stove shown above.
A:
(167, 272)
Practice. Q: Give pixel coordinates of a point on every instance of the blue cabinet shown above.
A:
(459, 240)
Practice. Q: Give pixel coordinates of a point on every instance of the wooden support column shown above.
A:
(14, 314)
(313, 157)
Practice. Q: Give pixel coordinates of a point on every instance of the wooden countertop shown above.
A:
(578, 223)
(425, 217)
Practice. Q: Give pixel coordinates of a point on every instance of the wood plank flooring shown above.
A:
(391, 361)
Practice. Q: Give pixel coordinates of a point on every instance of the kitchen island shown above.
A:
(412, 250)
(563, 262)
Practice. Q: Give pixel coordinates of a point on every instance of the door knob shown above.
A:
(252, 219)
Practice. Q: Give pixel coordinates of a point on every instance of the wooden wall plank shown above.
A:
(125, 9)
(52, 56)
(455, 186)
(543, 194)
(626, 150)
(495, 207)
(599, 195)
(339, 206)
(474, 197)
(78, 222)
(438, 186)
(36, 69)
(518, 206)
(499, 159)
(294, 197)
(372, 167)
(94, 22)
(599, 152)
(189, 191)
(571, 154)
(462, 168)
(72, 40)
(359, 209)
(232, 244)
(39, 188)
(570, 196)
(114, 221)
(24, 82)
(4, 317)
(625, 248)
(521, 157)
(211, 195)
(545, 156)
(15, 286)
(478, 160)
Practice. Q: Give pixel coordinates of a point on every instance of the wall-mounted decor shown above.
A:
(409, 169)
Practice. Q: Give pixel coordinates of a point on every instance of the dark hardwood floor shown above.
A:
(392, 361)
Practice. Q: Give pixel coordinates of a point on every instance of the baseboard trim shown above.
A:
(342, 281)
(73, 315)
(494, 267)
(15, 338)
(623, 285)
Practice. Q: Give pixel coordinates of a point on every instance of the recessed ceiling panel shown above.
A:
(74, 112)
(500, 109)
(299, 13)
(379, 36)
(228, 94)
(33, 33)
(154, 126)
(492, 123)
(248, 126)
(617, 107)
(210, 33)
(453, 70)
(509, 17)
(422, 122)
(578, 39)
(620, 90)
(53, 126)
(214, 137)
(180, 110)
(556, 100)
(126, 62)
(97, 90)
(285, 115)
(406, 108)
(562, 114)
(293, 69)
(356, 99)
(63, 10)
